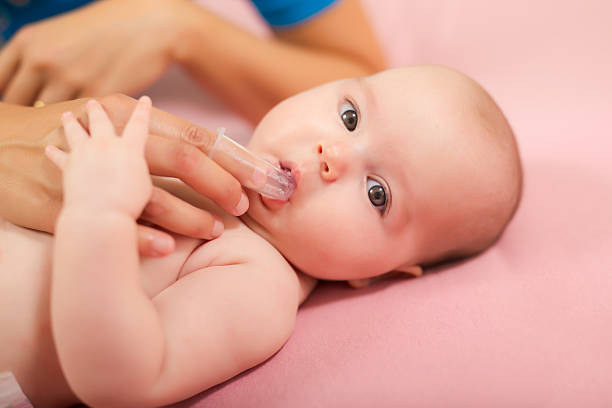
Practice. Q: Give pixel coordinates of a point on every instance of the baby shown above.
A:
(404, 169)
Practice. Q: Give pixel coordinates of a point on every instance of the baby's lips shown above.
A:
(293, 167)
(271, 203)
(274, 204)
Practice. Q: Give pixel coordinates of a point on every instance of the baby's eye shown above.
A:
(349, 116)
(377, 195)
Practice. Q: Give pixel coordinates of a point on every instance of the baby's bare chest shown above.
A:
(26, 263)
(25, 288)
(26, 343)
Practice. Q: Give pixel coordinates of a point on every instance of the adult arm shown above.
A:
(56, 59)
(253, 74)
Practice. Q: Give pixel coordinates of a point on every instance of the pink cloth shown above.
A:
(528, 323)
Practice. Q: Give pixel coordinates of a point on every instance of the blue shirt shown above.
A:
(278, 13)
(17, 13)
(284, 13)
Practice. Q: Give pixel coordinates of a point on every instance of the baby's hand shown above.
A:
(104, 172)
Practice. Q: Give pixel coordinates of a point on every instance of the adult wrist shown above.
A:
(189, 24)
(13, 129)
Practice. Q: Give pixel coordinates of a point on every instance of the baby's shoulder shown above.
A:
(248, 254)
(238, 245)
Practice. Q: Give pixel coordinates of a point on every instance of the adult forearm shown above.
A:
(253, 74)
(106, 330)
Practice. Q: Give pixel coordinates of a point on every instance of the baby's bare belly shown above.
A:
(26, 343)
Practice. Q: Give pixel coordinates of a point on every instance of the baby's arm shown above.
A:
(99, 311)
(222, 319)
(116, 346)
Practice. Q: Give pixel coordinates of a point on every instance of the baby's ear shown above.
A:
(413, 270)
(359, 283)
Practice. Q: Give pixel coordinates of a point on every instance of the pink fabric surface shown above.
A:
(529, 322)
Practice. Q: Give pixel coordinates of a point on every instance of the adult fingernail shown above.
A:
(217, 229)
(242, 206)
(161, 246)
(259, 178)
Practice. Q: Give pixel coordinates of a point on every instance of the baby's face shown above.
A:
(382, 164)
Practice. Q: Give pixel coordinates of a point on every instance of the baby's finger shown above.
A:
(75, 134)
(57, 156)
(137, 127)
(99, 123)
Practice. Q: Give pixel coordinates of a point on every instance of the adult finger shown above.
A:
(23, 87)
(161, 123)
(153, 242)
(9, 61)
(172, 127)
(137, 127)
(167, 157)
(176, 215)
(99, 123)
(55, 91)
(57, 156)
(242, 164)
(243, 168)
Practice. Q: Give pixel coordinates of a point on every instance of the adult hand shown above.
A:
(30, 185)
(108, 46)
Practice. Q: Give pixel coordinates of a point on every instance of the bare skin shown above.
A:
(29, 350)
(67, 56)
(159, 330)
(175, 291)
(32, 196)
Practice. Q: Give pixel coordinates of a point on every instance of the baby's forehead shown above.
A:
(428, 126)
(421, 108)
(429, 74)
(425, 88)
(450, 139)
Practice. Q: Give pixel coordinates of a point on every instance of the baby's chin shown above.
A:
(320, 266)
(329, 275)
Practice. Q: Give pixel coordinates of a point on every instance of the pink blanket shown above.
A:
(528, 323)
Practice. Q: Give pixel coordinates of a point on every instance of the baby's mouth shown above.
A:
(292, 169)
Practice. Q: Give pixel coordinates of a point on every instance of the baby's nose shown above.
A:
(334, 159)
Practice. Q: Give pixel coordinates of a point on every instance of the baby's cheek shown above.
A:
(329, 232)
(331, 248)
